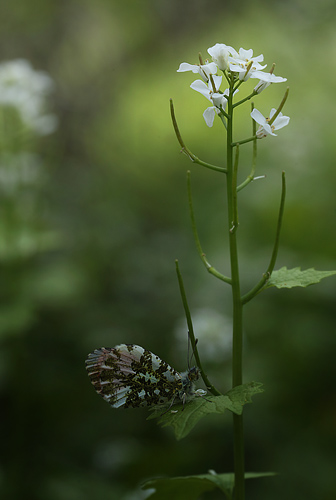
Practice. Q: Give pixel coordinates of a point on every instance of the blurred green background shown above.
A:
(90, 235)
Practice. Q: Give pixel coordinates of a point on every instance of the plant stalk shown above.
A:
(237, 340)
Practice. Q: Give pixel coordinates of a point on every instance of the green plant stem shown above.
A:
(245, 99)
(245, 141)
(235, 222)
(237, 340)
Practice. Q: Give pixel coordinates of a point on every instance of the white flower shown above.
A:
(265, 79)
(26, 89)
(220, 103)
(204, 70)
(243, 61)
(19, 170)
(214, 331)
(207, 89)
(220, 54)
(265, 128)
(218, 99)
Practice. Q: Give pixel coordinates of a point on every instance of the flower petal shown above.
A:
(187, 67)
(217, 81)
(220, 54)
(258, 117)
(245, 54)
(201, 87)
(280, 122)
(267, 77)
(209, 115)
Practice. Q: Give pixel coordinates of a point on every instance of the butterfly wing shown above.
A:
(128, 375)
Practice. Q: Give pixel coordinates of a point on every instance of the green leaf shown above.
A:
(183, 419)
(288, 278)
(242, 394)
(179, 488)
(190, 487)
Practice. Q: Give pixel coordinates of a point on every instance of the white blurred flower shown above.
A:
(265, 127)
(19, 170)
(214, 334)
(26, 90)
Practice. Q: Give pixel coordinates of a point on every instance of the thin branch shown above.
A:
(244, 141)
(250, 178)
(245, 99)
(208, 266)
(187, 151)
(193, 341)
(281, 105)
(266, 276)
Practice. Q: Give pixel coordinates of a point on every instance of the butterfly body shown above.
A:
(130, 376)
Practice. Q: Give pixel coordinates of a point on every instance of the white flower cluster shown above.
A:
(26, 90)
(241, 66)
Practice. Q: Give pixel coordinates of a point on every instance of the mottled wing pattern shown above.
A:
(128, 375)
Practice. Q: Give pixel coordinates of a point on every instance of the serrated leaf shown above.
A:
(190, 487)
(242, 394)
(183, 419)
(289, 278)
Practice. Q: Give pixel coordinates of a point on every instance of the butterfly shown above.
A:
(130, 376)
